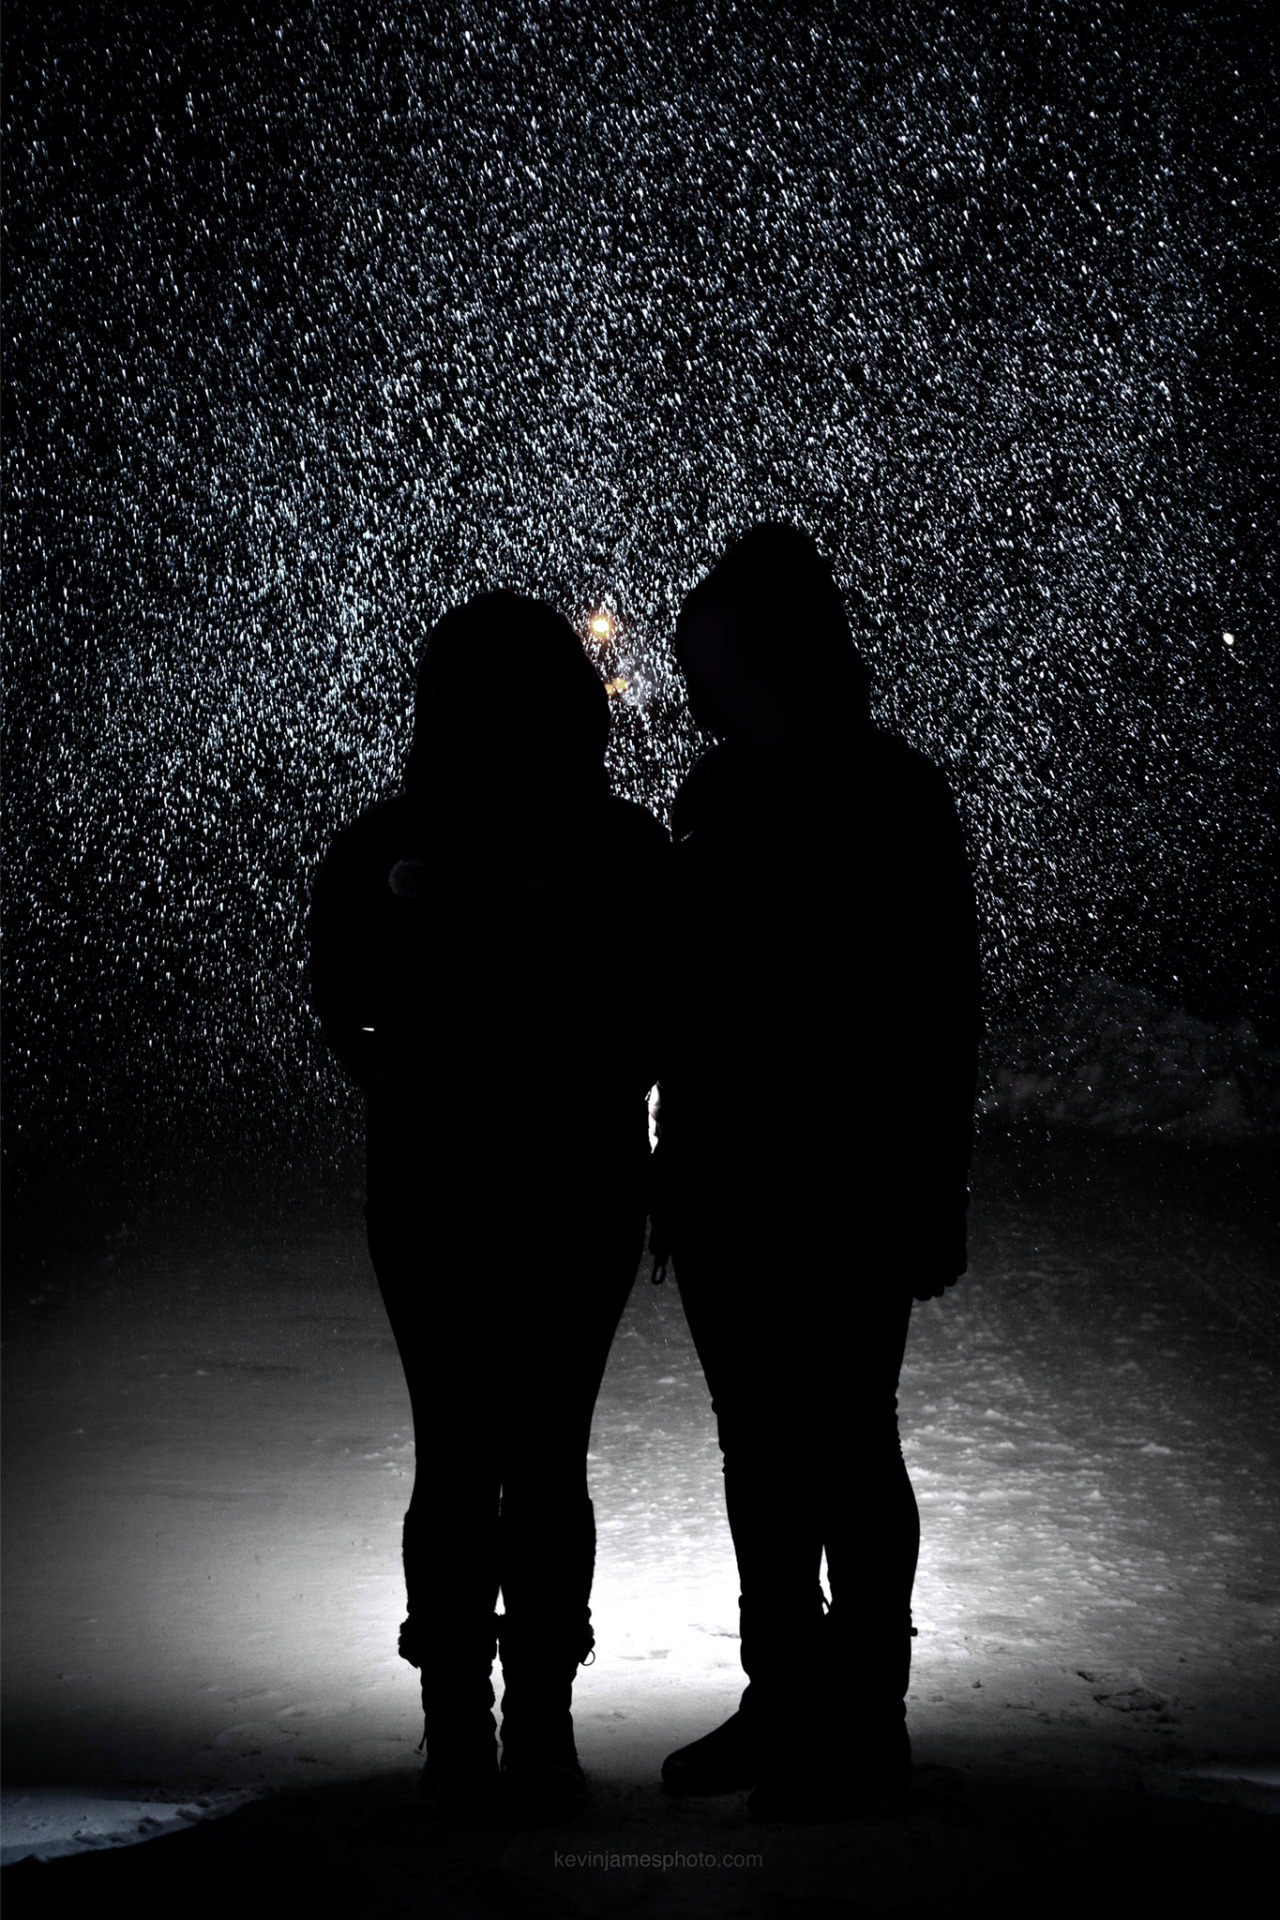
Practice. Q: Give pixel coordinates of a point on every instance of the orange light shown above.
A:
(601, 625)
(615, 686)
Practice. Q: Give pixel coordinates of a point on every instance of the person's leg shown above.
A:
(451, 1527)
(739, 1297)
(802, 1355)
(763, 1400)
(562, 1328)
(870, 1521)
(851, 1742)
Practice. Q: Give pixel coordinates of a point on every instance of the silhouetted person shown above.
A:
(817, 1097)
(475, 944)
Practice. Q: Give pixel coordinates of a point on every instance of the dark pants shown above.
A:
(802, 1346)
(503, 1312)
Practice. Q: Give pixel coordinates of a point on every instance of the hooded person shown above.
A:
(472, 941)
(817, 1096)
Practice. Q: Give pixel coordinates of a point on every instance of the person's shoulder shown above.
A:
(385, 819)
(633, 826)
(908, 771)
(639, 846)
(374, 835)
(697, 792)
(897, 757)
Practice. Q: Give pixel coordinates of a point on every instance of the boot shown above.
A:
(459, 1783)
(833, 1769)
(780, 1651)
(542, 1780)
(727, 1758)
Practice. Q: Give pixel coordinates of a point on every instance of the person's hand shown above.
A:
(926, 1284)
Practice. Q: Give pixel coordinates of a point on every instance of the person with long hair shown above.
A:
(477, 951)
(816, 1108)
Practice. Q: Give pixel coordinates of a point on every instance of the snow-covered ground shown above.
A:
(209, 1452)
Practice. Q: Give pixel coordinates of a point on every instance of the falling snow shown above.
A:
(315, 332)
(1111, 1057)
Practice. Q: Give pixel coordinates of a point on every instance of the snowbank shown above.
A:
(1111, 1057)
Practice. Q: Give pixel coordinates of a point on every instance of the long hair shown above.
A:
(506, 701)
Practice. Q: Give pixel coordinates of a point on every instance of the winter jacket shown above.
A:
(486, 987)
(822, 1050)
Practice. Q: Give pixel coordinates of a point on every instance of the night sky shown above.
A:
(318, 325)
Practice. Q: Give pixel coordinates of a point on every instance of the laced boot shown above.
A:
(459, 1783)
(542, 1779)
(825, 1767)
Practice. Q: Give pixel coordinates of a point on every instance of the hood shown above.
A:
(795, 634)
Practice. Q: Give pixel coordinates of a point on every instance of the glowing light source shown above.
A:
(1230, 639)
(601, 625)
(615, 686)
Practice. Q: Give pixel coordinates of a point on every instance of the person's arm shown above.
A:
(658, 863)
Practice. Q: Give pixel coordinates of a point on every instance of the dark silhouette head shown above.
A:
(507, 706)
(765, 645)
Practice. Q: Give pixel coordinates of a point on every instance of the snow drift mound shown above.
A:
(1111, 1057)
